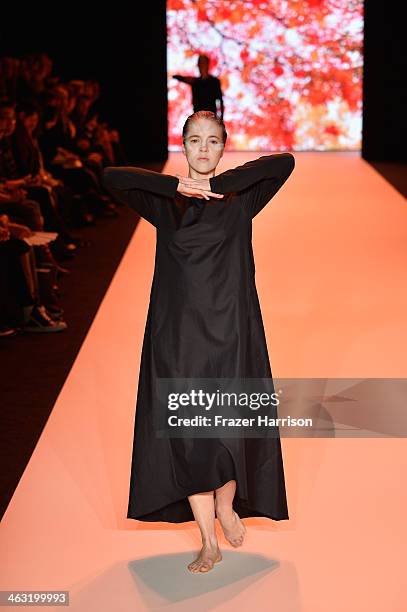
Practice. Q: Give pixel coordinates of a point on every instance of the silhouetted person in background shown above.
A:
(206, 89)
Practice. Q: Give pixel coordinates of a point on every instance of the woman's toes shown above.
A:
(194, 565)
(237, 542)
(233, 528)
(205, 561)
(206, 567)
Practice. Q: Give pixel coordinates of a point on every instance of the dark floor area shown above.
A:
(395, 173)
(34, 367)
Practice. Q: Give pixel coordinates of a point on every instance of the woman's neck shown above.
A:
(200, 175)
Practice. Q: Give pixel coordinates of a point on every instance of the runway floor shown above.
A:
(331, 260)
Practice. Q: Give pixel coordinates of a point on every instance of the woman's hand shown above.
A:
(198, 188)
(16, 183)
(4, 228)
(20, 231)
(15, 193)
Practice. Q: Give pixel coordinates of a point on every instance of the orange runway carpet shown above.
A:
(331, 260)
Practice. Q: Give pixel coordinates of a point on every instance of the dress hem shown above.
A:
(173, 521)
(243, 513)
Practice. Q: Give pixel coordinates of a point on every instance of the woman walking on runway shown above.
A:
(203, 321)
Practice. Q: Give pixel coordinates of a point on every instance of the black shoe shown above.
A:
(60, 270)
(80, 242)
(40, 321)
(55, 312)
(87, 219)
(63, 251)
(109, 210)
(5, 330)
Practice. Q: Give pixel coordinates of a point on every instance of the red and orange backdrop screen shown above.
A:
(290, 70)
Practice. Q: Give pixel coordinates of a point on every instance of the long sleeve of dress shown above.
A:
(139, 188)
(261, 177)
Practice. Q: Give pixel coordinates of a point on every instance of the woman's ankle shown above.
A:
(223, 508)
(210, 541)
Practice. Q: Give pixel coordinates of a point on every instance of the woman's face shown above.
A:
(30, 121)
(203, 145)
(7, 122)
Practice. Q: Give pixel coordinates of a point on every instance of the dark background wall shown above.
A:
(124, 48)
(384, 83)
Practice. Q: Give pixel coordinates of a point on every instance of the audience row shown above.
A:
(53, 148)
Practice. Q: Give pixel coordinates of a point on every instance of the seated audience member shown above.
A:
(26, 302)
(13, 177)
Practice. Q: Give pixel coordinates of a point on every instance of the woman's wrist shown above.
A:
(202, 183)
(196, 188)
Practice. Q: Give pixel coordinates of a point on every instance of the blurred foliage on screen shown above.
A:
(290, 70)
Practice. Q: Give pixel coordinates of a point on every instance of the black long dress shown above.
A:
(203, 320)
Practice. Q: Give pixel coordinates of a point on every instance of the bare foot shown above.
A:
(208, 556)
(232, 526)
